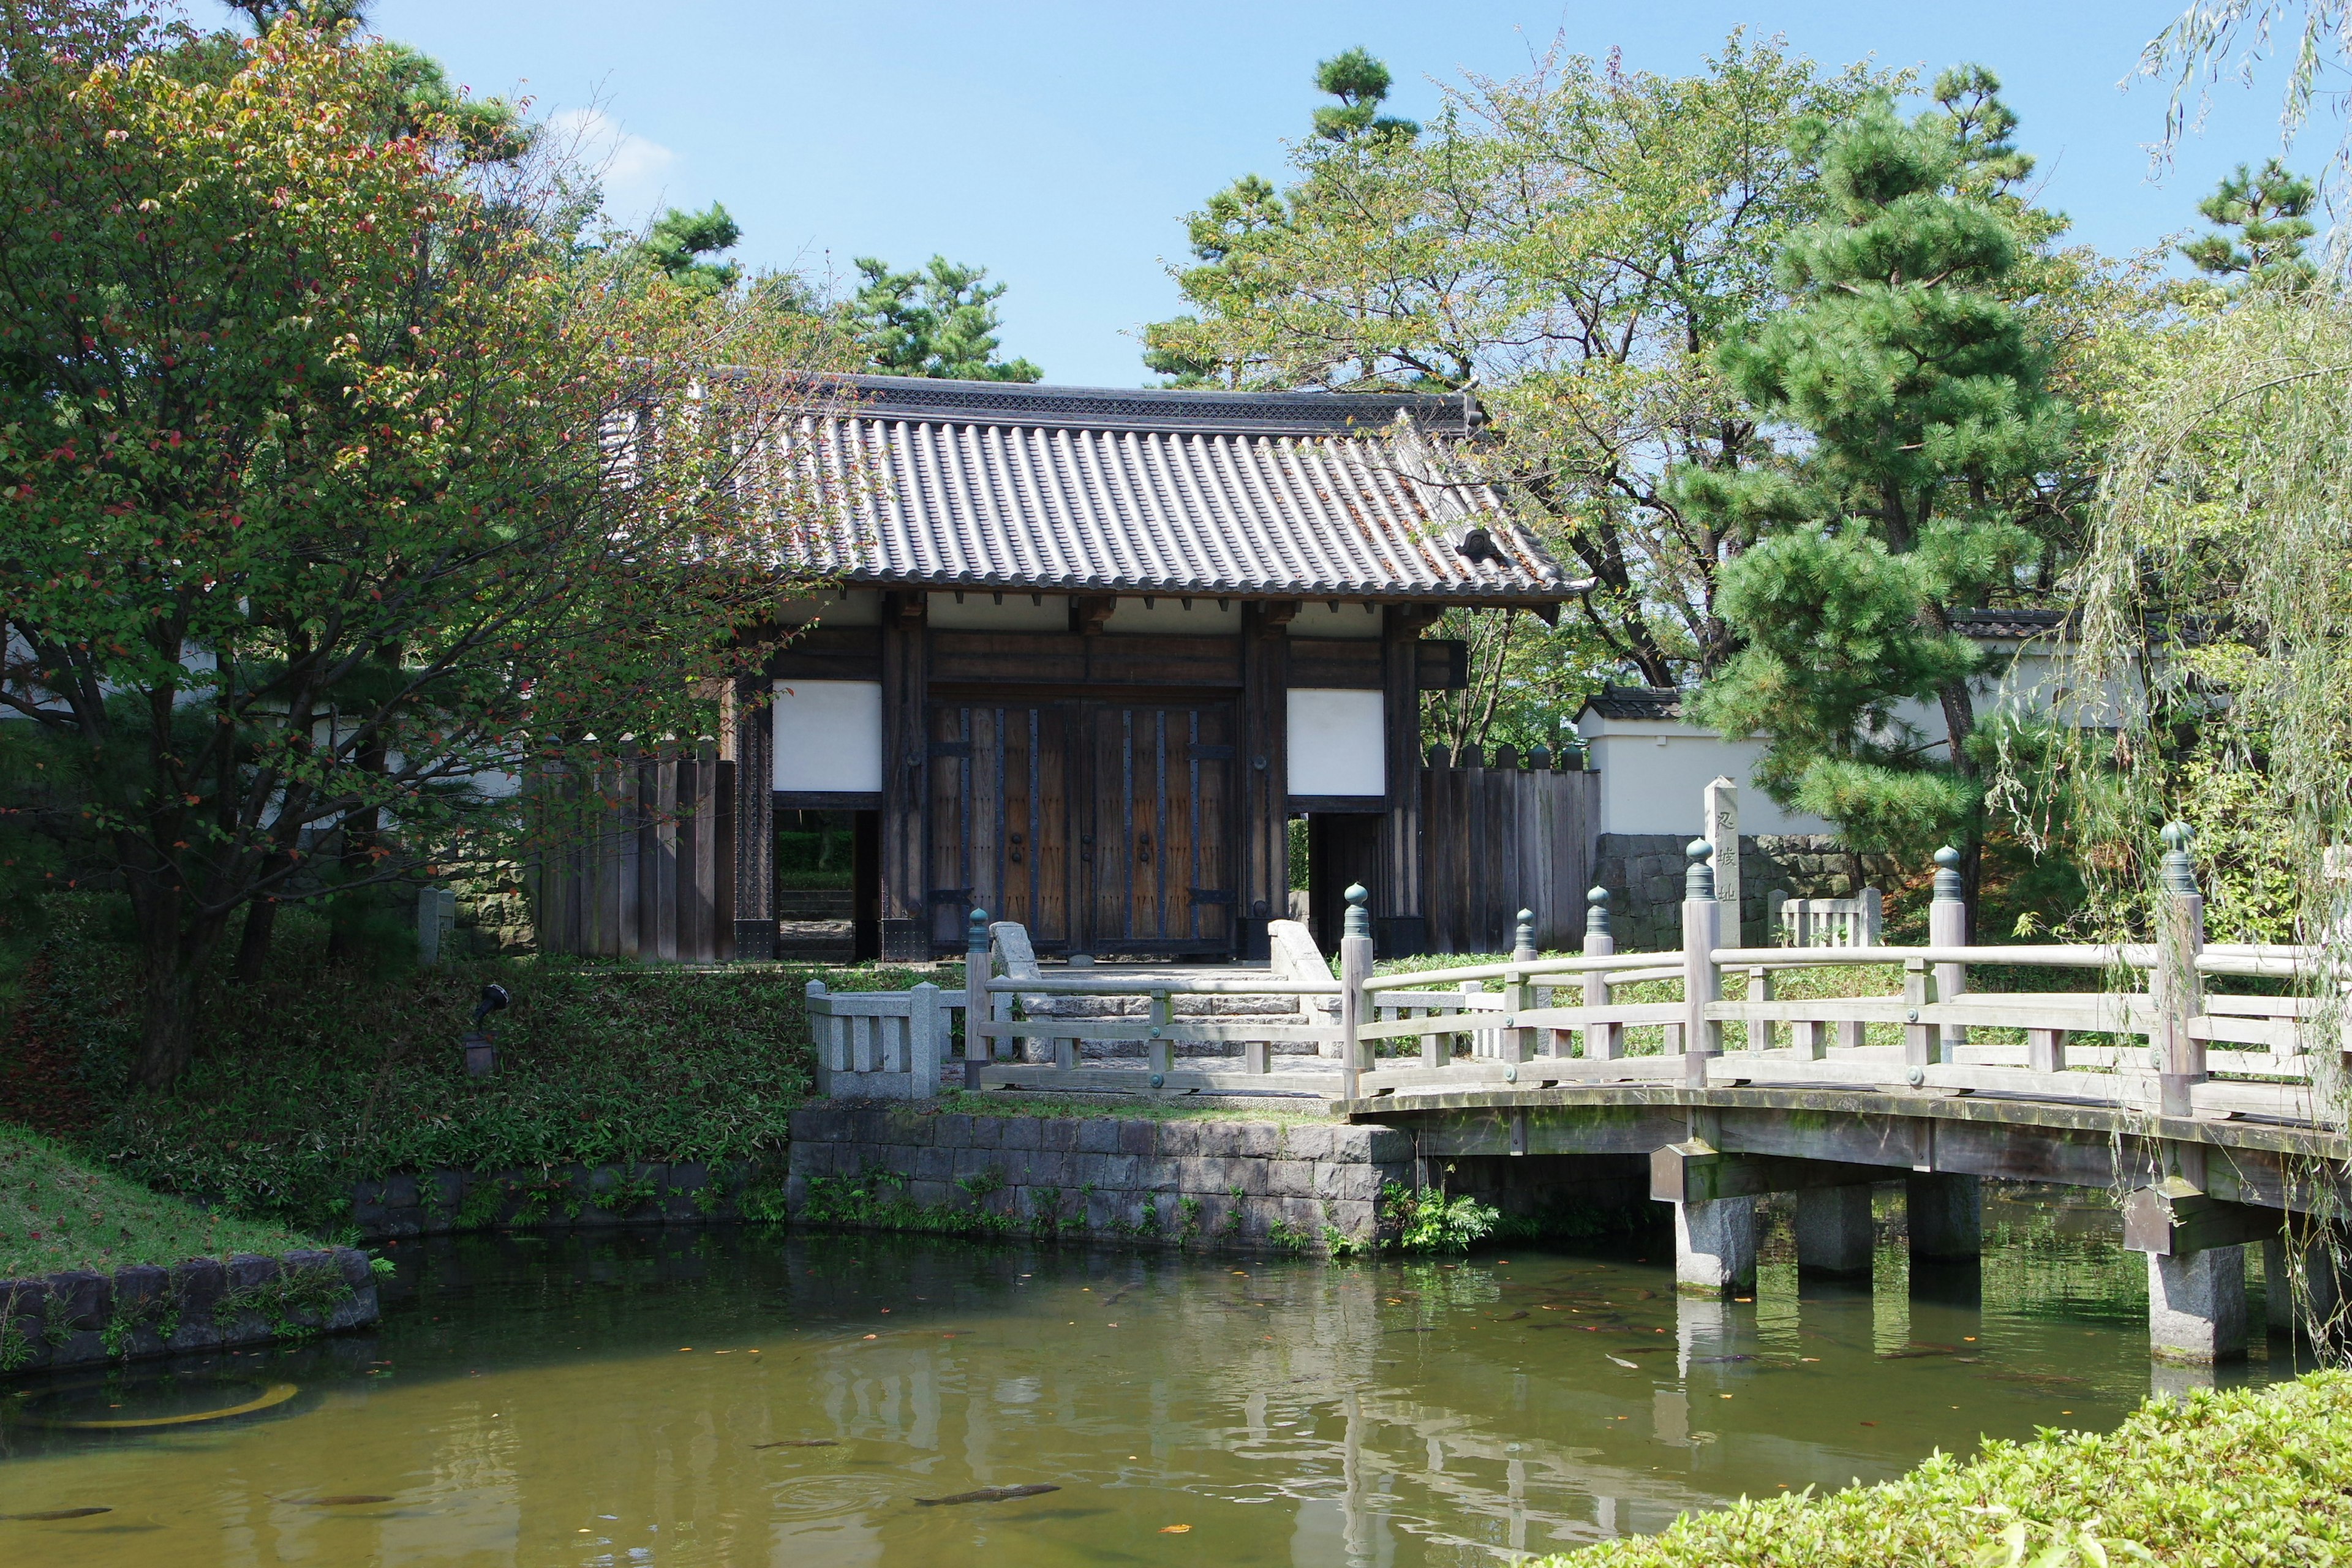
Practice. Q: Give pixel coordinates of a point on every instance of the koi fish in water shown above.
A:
(985, 1494)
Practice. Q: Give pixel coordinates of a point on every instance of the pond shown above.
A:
(754, 1397)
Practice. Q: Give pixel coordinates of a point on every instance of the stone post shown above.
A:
(1722, 801)
(1702, 980)
(1948, 926)
(1354, 968)
(927, 1041)
(975, 998)
(1835, 1233)
(2181, 937)
(1947, 1217)
(1519, 1044)
(1714, 1246)
(1603, 1042)
(2196, 1306)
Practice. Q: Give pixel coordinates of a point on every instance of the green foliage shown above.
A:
(308, 1081)
(1922, 387)
(2267, 208)
(939, 322)
(2248, 1475)
(1574, 243)
(1360, 83)
(305, 468)
(1285, 1236)
(680, 242)
(1425, 1220)
(60, 1210)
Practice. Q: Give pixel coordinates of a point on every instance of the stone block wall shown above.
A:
(437, 1202)
(1644, 873)
(1244, 1184)
(83, 1319)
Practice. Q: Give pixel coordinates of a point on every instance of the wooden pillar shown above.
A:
(1265, 771)
(1402, 928)
(906, 916)
(752, 750)
(2181, 937)
(1702, 980)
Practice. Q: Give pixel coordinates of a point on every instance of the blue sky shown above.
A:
(1059, 145)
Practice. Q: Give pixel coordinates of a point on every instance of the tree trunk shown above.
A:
(253, 943)
(172, 988)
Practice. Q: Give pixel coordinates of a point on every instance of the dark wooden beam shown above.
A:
(906, 915)
(1698, 1172)
(1263, 777)
(2173, 1219)
(1089, 611)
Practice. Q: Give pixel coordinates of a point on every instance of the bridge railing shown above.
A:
(2154, 1039)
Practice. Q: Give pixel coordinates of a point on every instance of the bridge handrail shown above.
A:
(1576, 963)
(2052, 955)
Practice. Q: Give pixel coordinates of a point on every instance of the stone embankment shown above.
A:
(84, 1319)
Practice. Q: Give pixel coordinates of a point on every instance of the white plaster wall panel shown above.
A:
(1337, 742)
(1166, 617)
(828, 734)
(846, 607)
(1653, 775)
(1317, 619)
(980, 612)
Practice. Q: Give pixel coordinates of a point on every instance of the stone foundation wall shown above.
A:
(439, 1203)
(1246, 1184)
(81, 1318)
(1644, 873)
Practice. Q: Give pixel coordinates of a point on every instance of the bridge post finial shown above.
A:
(1698, 882)
(1358, 921)
(1523, 938)
(1596, 911)
(2179, 870)
(1949, 886)
(976, 932)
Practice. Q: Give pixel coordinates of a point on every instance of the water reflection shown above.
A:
(749, 1399)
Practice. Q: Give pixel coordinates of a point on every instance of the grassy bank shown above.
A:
(2251, 1476)
(319, 1074)
(57, 1213)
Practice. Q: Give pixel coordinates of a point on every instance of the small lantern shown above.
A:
(481, 1053)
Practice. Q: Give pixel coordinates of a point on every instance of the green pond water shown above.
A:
(753, 1398)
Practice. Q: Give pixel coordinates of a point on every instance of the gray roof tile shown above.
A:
(990, 485)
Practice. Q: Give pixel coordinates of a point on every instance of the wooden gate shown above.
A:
(1499, 838)
(1101, 825)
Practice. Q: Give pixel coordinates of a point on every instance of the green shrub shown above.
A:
(2250, 1476)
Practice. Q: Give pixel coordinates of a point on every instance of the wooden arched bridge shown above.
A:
(2215, 1107)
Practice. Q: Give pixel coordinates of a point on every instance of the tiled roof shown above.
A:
(1076, 489)
(2017, 623)
(1636, 702)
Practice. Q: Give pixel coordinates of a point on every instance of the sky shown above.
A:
(1060, 145)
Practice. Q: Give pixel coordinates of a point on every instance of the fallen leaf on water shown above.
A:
(1174, 1528)
(873, 1336)
(342, 1500)
(1870, 1423)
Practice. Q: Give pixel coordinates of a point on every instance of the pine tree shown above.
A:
(1360, 83)
(1921, 393)
(940, 322)
(2267, 208)
(681, 241)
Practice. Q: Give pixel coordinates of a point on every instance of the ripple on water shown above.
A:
(821, 1496)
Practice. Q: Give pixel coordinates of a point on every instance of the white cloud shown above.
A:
(635, 171)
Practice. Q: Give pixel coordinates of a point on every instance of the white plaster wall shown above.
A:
(1317, 619)
(980, 612)
(843, 607)
(1337, 742)
(1166, 617)
(828, 734)
(1654, 773)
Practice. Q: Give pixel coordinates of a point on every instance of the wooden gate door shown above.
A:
(1103, 826)
(1000, 809)
(1157, 855)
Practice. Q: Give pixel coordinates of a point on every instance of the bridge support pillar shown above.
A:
(1834, 1231)
(2196, 1306)
(2303, 1288)
(1714, 1246)
(1947, 1217)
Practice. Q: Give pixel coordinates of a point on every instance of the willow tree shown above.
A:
(2215, 641)
(332, 493)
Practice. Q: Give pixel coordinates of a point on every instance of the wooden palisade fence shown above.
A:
(652, 876)
(1502, 836)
